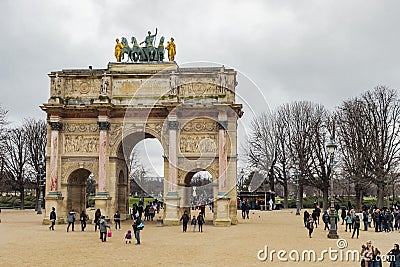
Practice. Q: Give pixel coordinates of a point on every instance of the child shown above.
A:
(193, 223)
(128, 237)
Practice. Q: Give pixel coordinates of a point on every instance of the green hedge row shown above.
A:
(13, 201)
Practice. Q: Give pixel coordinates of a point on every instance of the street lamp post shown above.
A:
(41, 181)
(331, 147)
(296, 178)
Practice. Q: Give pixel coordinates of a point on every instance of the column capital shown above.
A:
(222, 125)
(173, 125)
(56, 125)
(103, 125)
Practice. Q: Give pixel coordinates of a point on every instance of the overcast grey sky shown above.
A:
(322, 51)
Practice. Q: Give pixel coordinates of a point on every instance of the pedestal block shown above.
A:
(102, 201)
(171, 206)
(54, 199)
(222, 208)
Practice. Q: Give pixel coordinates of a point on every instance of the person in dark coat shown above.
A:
(71, 220)
(394, 255)
(317, 212)
(83, 218)
(343, 215)
(243, 207)
(325, 219)
(97, 216)
(356, 226)
(200, 221)
(310, 225)
(185, 219)
(305, 218)
(137, 227)
(52, 218)
(117, 220)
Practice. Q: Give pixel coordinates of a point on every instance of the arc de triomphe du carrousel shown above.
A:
(97, 116)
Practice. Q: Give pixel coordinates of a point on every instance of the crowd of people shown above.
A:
(379, 220)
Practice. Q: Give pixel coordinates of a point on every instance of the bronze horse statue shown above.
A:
(126, 49)
(136, 51)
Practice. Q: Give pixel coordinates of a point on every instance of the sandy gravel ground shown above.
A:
(24, 241)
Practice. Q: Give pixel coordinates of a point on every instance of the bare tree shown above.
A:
(137, 173)
(16, 159)
(36, 138)
(353, 136)
(261, 150)
(383, 121)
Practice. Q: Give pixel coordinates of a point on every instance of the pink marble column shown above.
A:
(54, 139)
(102, 180)
(222, 156)
(172, 159)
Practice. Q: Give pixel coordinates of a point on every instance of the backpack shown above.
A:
(140, 226)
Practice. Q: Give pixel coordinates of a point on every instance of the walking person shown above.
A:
(325, 219)
(310, 225)
(185, 219)
(193, 223)
(317, 211)
(103, 225)
(137, 227)
(356, 226)
(247, 209)
(343, 215)
(349, 221)
(305, 218)
(97, 216)
(365, 220)
(83, 218)
(71, 220)
(200, 221)
(53, 217)
(117, 220)
(128, 237)
(243, 209)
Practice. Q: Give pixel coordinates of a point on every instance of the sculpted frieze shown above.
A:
(80, 127)
(200, 126)
(199, 143)
(82, 87)
(198, 89)
(81, 144)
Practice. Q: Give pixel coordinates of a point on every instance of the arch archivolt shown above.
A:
(212, 168)
(119, 130)
(68, 167)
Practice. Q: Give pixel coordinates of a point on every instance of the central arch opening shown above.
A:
(144, 157)
(199, 191)
(81, 187)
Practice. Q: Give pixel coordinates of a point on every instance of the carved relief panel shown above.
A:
(198, 143)
(75, 143)
(82, 88)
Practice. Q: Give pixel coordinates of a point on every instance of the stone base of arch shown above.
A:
(222, 214)
(171, 210)
(103, 202)
(54, 199)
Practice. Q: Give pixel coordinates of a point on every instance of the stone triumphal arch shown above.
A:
(96, 117)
